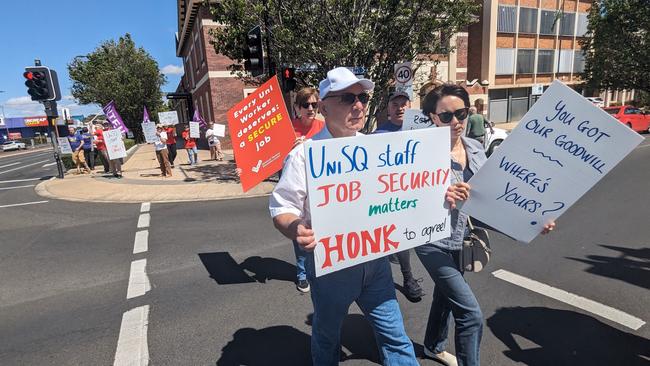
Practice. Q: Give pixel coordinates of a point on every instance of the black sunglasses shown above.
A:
(349, 98)
(314, 105)
(461, 114)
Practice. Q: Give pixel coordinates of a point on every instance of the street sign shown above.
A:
(404, 78)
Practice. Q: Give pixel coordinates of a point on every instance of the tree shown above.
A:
(374, 34)
(122, 72)
(617, 45)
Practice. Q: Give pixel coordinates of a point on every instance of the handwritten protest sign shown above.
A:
(195, 131)
(114, 144)
(64, 145)
(371, 196)
(561, 148)
(168, 118)
(219, 130)
(261, 133)
(414, 120)
(149, 131)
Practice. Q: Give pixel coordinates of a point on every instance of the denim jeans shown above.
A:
(371, 286)
(192, 154)
(451, 295)
(300, 262)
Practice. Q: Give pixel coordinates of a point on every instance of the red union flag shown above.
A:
(261, 132)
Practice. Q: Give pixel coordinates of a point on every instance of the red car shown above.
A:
(630, 116)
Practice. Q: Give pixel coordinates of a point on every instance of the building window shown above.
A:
(527, 20)
(525, 61)
(506, 19)
(564, 62)
(578, 61)
(545, 61)
(505, 63)
(547, 23)
(567, 24)
(582, 24)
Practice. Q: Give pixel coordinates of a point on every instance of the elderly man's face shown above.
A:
(344, 119)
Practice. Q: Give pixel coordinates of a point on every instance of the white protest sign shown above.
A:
(404, 78)
(195, 131)
(149, 131)
(561, 148)
(414, 120)
(114, 144)
(168, 118)
(64, 145)
(371, 196)
(219, 129)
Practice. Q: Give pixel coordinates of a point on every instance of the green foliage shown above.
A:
(375, 34)
(119, 71)
(617, 45)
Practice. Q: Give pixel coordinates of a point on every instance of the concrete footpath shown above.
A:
(142, 181)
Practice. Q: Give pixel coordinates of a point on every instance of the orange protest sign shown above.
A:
(261, 132)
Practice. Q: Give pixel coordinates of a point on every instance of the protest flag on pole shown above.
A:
(197, 118)
(145, 116)
(114, 118)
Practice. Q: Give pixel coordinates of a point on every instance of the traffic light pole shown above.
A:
(50, 111)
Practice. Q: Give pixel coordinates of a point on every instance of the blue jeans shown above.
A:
(452, 295)
(371, 286)
(300, 262)
(192, 153)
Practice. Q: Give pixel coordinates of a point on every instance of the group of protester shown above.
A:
(166, 146)
(342, 99)
(88, 147)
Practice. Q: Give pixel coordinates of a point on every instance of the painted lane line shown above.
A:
(4, 166)
(140, 244)
(143, 221)
(579, 302)
(19, 180)
(145, 207)
(25, 166)
(138, 280)
(49, 164)
(132, 347)
(24, 204)
(29, 185)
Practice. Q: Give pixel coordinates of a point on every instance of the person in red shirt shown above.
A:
(101, 146)
(305, 125)
(190, 146)
(171, 143)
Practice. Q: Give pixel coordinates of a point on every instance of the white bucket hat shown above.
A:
(339, 79)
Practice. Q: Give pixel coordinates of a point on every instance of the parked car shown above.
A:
(630, 116)
(493, 138)
(597, 101)
(13, 145)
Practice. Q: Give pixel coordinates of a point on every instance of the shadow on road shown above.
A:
(561, 337)
(631, 265)
(223, 268)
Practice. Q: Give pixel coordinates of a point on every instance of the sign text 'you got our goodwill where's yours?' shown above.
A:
(261, 133)
(371, 196)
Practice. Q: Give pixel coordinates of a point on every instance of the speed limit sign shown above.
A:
(404, 74)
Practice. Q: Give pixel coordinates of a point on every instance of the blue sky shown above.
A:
(76, 27)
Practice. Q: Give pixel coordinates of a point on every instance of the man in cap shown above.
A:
(343, 103)
(398, 103)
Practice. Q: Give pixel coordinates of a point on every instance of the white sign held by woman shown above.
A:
(114, 144)
(561, 148)
(149, 131)
(414, 120)
(195, 130)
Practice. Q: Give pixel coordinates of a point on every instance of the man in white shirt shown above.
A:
(161, 151)
(344, 100)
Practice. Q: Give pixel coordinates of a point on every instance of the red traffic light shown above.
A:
(289, 73)
(28, 75)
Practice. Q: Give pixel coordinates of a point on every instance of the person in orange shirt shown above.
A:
(190, 146)
(171, 143)
(101, 146)
(305, 125)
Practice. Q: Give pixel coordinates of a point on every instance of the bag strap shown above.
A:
(469, 221)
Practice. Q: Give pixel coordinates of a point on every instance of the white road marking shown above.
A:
(49, 164)
(140, 245)
(4, 166)
(24, 166)
(24, 204)
(29, 185)
(138, 280)
(145, 207)
(579, 302)
(132, 347)
(143, 220)
(19, 180)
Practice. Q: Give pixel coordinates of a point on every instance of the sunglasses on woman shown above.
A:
(350, 98)
(445, 117)
(314, 105)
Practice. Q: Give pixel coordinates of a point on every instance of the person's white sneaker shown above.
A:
(443, 357)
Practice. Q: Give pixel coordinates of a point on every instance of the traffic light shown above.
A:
(289, 78)
(253, 52)
(42, 83)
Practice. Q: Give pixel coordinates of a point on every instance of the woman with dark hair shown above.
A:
(448, 106)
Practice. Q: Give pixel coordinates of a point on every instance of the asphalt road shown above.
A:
(221, 283)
